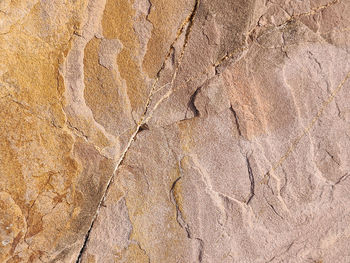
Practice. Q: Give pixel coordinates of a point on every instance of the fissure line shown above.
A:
(142, 120)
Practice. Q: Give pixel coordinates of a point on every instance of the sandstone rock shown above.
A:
(174, 131)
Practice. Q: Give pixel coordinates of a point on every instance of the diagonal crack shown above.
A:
(251, 179)
(308, 128)
(189, 20)
(81, 252)
(236, 120)
(273, 208)
(341, 179)
(314, 10)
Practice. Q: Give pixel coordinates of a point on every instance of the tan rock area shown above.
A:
(175, 131)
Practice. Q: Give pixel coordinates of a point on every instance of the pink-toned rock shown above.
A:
(175, 131)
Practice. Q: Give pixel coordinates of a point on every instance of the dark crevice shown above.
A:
(332, 157)
(236, 120)
(143, 127)
(191, 20)
(78, 131)
(312, 57)
(200, 250)
(341, 179)
(191, 104)
(274, 210)
(179, 218)
(251, 179)
(173, 56)
(188, 24)
(149, 11)
(81, 252)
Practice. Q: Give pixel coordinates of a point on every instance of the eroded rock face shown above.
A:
(174, 131)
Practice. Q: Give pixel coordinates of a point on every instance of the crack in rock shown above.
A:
(251, 179)
(189, 20)
(236, 120)
(183, 224)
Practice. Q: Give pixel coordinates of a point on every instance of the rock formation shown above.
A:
(175, 131)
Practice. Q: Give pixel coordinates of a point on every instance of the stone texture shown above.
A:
(174, 131)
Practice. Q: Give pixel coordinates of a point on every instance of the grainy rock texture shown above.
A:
(175, 131)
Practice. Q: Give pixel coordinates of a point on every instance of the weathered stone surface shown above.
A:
(174, 131)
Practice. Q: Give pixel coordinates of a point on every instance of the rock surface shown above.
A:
(175, 131)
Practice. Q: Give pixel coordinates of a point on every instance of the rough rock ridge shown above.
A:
(175, 131)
